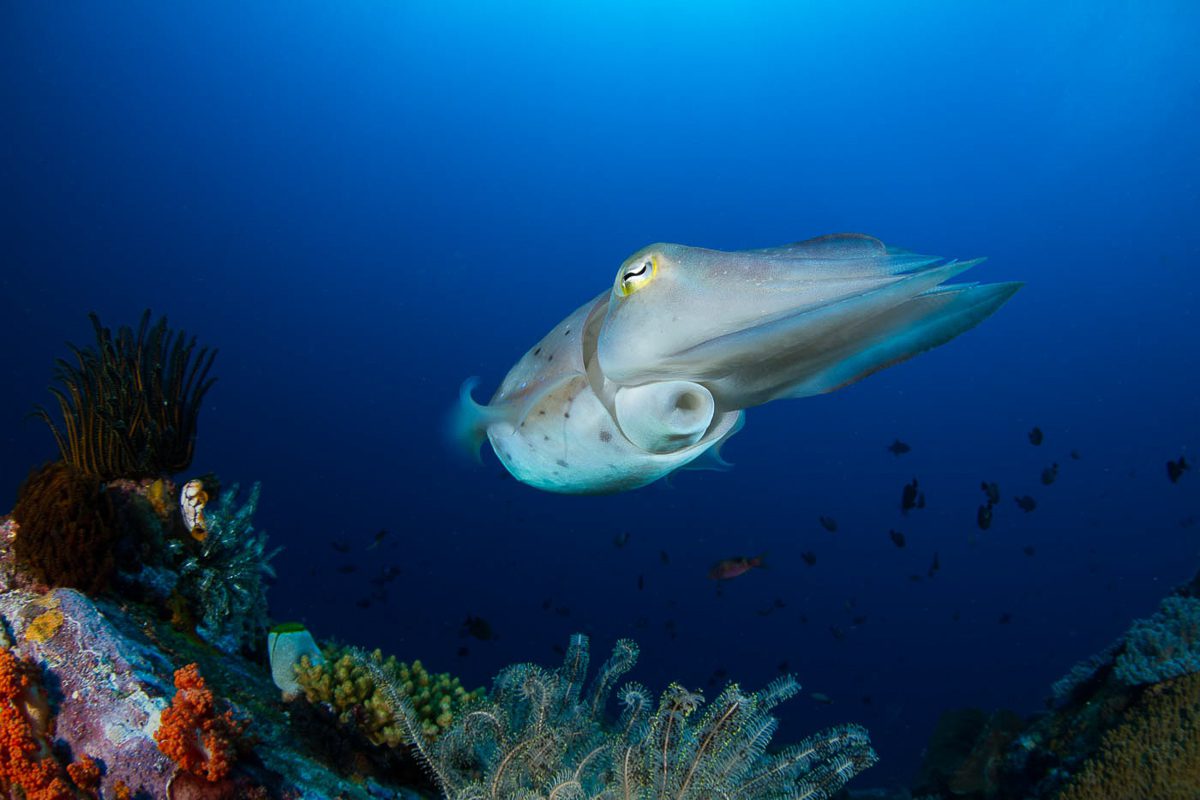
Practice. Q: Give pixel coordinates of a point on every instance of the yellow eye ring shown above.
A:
(635, 274)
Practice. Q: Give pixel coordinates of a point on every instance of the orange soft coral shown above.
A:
(193, 734)
(26, 762)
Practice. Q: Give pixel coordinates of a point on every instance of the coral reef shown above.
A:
(67, 531)
(223, 576)
(540, 735)
(130, 403)
(193, 734)
(28, 766)
(363, 689)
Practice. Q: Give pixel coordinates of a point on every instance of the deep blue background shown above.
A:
(362, 204)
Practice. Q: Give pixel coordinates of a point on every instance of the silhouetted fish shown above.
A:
(861, 619)
(897, 538)
(641, 582)
(911, 497)
(477, 627)
(663, 557)
(1035, 436)
(1005, 618)
(837, 632)
(809, 557)
(379, 537)
(1028, 550)
(346, 569)
(463, 652)
(1026, 503)
(1074, 455)
(782, 667)
(935, 566)
(992, 490)
(983, 517)
(828, 523)
(1050, 474)
(898, 448)
(1187, 521)
(822, 698)
(1175, 469)
(340, 545)
(621, 539)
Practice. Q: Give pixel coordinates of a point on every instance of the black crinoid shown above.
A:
(129, 402)
(540, 736)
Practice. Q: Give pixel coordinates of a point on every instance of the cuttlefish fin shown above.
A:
(918, 324)
(845, 255)
(469, 421)
(711, 459)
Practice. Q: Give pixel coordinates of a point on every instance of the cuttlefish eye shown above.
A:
(636, 274)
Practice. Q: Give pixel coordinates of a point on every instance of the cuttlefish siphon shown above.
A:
(655, 373)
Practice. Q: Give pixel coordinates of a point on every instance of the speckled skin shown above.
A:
(556, 429)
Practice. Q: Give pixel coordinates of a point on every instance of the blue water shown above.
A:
(362, 204)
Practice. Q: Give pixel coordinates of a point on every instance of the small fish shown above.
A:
(983, 517)
(718, 676)
(1005, 618)
(897, 538)
(782, 667)
(729, 568)
(1050, 474)
(663, 557)
(363, 603)
(992, 490)
(822, 698)
(547, 603)
(463, 652)
(477, 627)
(1075, 455)
(340, 545)
(1028, 550)
(1175, 469)
(861, 619)
(346, 569)
(898, 448)
(641, 582)
(621, 539)
(386, 575)
(828, 523)
(911, 497)
(1026, 503)
(809, 557)
(558, 648)
(563, 611)
(837, 633)
(1035, 436)
(935, 566)
(380, 535)
(1187, 521)
(866, 699)
(914, 578)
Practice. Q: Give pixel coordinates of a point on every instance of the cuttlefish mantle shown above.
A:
(655, 373)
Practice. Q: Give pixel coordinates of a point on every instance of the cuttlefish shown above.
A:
(655, 373)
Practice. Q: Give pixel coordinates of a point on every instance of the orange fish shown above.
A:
(732, 567)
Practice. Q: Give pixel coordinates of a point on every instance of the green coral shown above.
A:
(540, 736)
(350, 683)
(222, 578)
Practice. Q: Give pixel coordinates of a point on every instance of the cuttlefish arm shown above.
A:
(789, 321)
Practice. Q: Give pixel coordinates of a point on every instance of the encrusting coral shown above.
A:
(191, 732)
(540, 736)
(129, 404)
(67, 530)
(361, 688)
(1153, 753)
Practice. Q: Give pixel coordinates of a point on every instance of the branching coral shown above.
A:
(129, 403)
(67, 529)
(350, 682)
(193, 734)
(1153, 753)
(223, 578)
(540, 736)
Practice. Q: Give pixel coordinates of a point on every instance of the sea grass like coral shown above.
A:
(541, 736)
(129, 403)
(223, 576)
(67, 530)
(361, 688)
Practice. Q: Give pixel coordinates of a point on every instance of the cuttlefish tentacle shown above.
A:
(653, 375)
